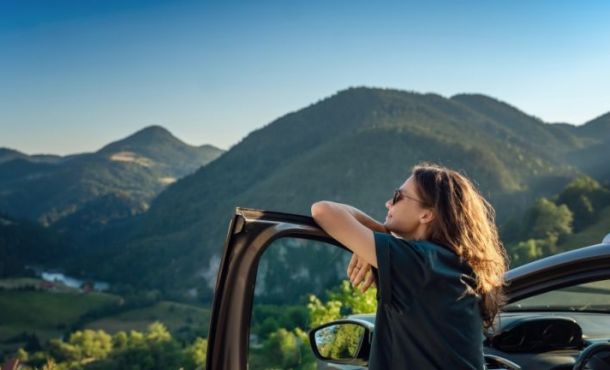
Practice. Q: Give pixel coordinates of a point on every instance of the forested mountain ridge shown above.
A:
(596, 129)
(90, 190)
(25, 243)
(355, 147)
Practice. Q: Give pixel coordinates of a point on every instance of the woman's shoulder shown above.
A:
(422, 246)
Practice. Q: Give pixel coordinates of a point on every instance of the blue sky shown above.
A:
(75, 75)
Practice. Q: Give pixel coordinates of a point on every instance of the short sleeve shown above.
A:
(402, 268)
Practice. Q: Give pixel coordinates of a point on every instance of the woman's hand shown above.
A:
(359, 271)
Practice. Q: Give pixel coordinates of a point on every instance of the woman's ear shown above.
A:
(427, 216)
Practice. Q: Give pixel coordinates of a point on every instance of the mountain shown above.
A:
(593, 159)
(355, 147)
(596, 129)
(89, 191)
(167, 153)
(7, 155)
(509, 123)
(24, 243)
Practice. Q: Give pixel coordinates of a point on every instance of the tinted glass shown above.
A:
(592, 296)
(290, 272)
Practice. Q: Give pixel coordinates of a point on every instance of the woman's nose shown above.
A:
(388, 204)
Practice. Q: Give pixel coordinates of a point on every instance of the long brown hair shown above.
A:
(465, 222)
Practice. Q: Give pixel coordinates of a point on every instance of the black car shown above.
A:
(557, 316)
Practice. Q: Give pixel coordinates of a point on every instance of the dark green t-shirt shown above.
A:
(428, 316)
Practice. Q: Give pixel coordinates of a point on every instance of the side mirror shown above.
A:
(343, 341)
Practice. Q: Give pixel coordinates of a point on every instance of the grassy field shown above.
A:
(176, 316)
(44, 314)
(34, 310)
(51, 314)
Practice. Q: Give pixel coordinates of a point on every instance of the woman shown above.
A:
(439, 267)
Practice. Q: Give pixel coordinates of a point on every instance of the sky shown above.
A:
(76, 75)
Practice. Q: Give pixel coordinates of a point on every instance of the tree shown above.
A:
(320, 313)
(580, 195)
(547, 219)
(92, 344)
(50, 365)
(288, 349)
(157, 332)
(533, 249)
(353, 300)
(195, 355)
(64, 352)
(22, 355)
(343, 300)
(151, 350)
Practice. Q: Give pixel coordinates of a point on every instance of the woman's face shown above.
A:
(407, 217)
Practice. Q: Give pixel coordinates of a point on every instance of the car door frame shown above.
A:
(251, 231)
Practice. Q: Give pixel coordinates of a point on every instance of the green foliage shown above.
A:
(82, 345)
(354, 300)
(341, 341)
(288, 347)
(154, 349)
(51, 365)
(343, 300)
(585, 197)
(547, 227)
(23, 242)
(268, 318)
(533, 249)
(157, 332)
(320, 313)
(544, 224)
(22, 355)
(93, 344)
(196, 354)
(548, 219)
(283, 345)
(285, 349)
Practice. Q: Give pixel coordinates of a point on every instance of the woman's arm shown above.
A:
(349, 226)
(365, 219)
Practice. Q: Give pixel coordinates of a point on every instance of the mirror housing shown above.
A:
(346, 341)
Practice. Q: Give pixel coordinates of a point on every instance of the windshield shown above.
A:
(587, 297)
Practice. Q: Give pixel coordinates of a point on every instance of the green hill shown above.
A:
(354, 147)
(593, 159)
(25, 243)
(87, 192)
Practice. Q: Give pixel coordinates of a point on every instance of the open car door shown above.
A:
(252, 231)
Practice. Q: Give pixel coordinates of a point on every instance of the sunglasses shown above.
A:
(398, 195)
